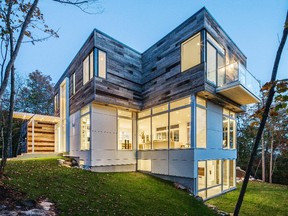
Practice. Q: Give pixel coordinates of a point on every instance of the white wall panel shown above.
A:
(104, 139)
(214, 126)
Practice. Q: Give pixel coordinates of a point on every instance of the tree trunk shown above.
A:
(8, 144)
(264, 118)
(263, 160)
(8, 141)
(271, 159)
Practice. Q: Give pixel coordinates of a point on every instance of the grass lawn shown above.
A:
(260, 199)
(79, 192)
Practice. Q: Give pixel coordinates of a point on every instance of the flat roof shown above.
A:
(37, 117)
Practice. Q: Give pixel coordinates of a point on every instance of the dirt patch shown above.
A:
(13, 202)
(9, 197)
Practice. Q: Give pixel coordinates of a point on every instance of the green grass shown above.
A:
(260, 199)
(79, 192)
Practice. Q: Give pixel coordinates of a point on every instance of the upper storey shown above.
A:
(197, 57)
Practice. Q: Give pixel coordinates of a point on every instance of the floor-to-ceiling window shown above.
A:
(201, 124)
(124, 130)
(165, 126)
(229, 174)
(180, 128)
(144, 133)
(215, 61)
(85, 132)
(229, 129)
(210, 180)
(160, 131)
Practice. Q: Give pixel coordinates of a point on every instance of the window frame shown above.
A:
(97, 67)
(222, 53)
(200, 106)
(91, 71)
(82, 115)
(200, 33)
(151, 115)
(73, 84)
(126, 118)
(229, 118)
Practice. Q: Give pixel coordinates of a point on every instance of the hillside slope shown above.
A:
(80, 192)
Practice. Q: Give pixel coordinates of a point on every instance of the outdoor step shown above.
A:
(38, 155)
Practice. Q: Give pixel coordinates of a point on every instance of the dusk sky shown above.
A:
(254, 25)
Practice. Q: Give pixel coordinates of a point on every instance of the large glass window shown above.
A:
(164, 124)
(201, 123)
(180, 103)
(201, 175)
(229, 129)
(211, 63)
(191, 52)
(159, 109)
(228, 174)
(144, 134)
(221, 70)
(144, 113)
(160, 131)
(215, 61)
(210, 174)
(85, 128)
(88, 68)
(124, 130)
(180, 128)
(102, 64)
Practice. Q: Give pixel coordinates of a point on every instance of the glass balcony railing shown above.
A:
(236, 73)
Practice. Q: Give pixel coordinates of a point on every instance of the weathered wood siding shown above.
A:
(122, 85)
(162, 77)
(84, 93)
(139, 81)
(44, 137)
(233, 53)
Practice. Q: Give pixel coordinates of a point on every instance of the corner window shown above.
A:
(209, 178)
(85, 128)
(101, 64)
(88, 68)
(215, 61)
(201, 123)
(229, 129)
(191, 52)
(144, 133)
(124, 130)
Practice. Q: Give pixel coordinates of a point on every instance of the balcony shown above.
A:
(238, 84)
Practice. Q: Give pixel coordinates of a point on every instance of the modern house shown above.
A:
(169, 111)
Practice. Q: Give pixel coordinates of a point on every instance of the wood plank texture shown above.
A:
(44, 137)
(139, 81)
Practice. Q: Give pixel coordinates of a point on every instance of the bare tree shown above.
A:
(264, 117)
(17, 18)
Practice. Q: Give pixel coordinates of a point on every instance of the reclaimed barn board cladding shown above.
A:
(233, 53)
(122, 86)
(44, 137)
(162, 77)
(84, 93)
(139, 81)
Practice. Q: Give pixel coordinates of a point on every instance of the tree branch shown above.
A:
(17, 47)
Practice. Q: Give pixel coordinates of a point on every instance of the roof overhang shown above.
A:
(36, 117)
